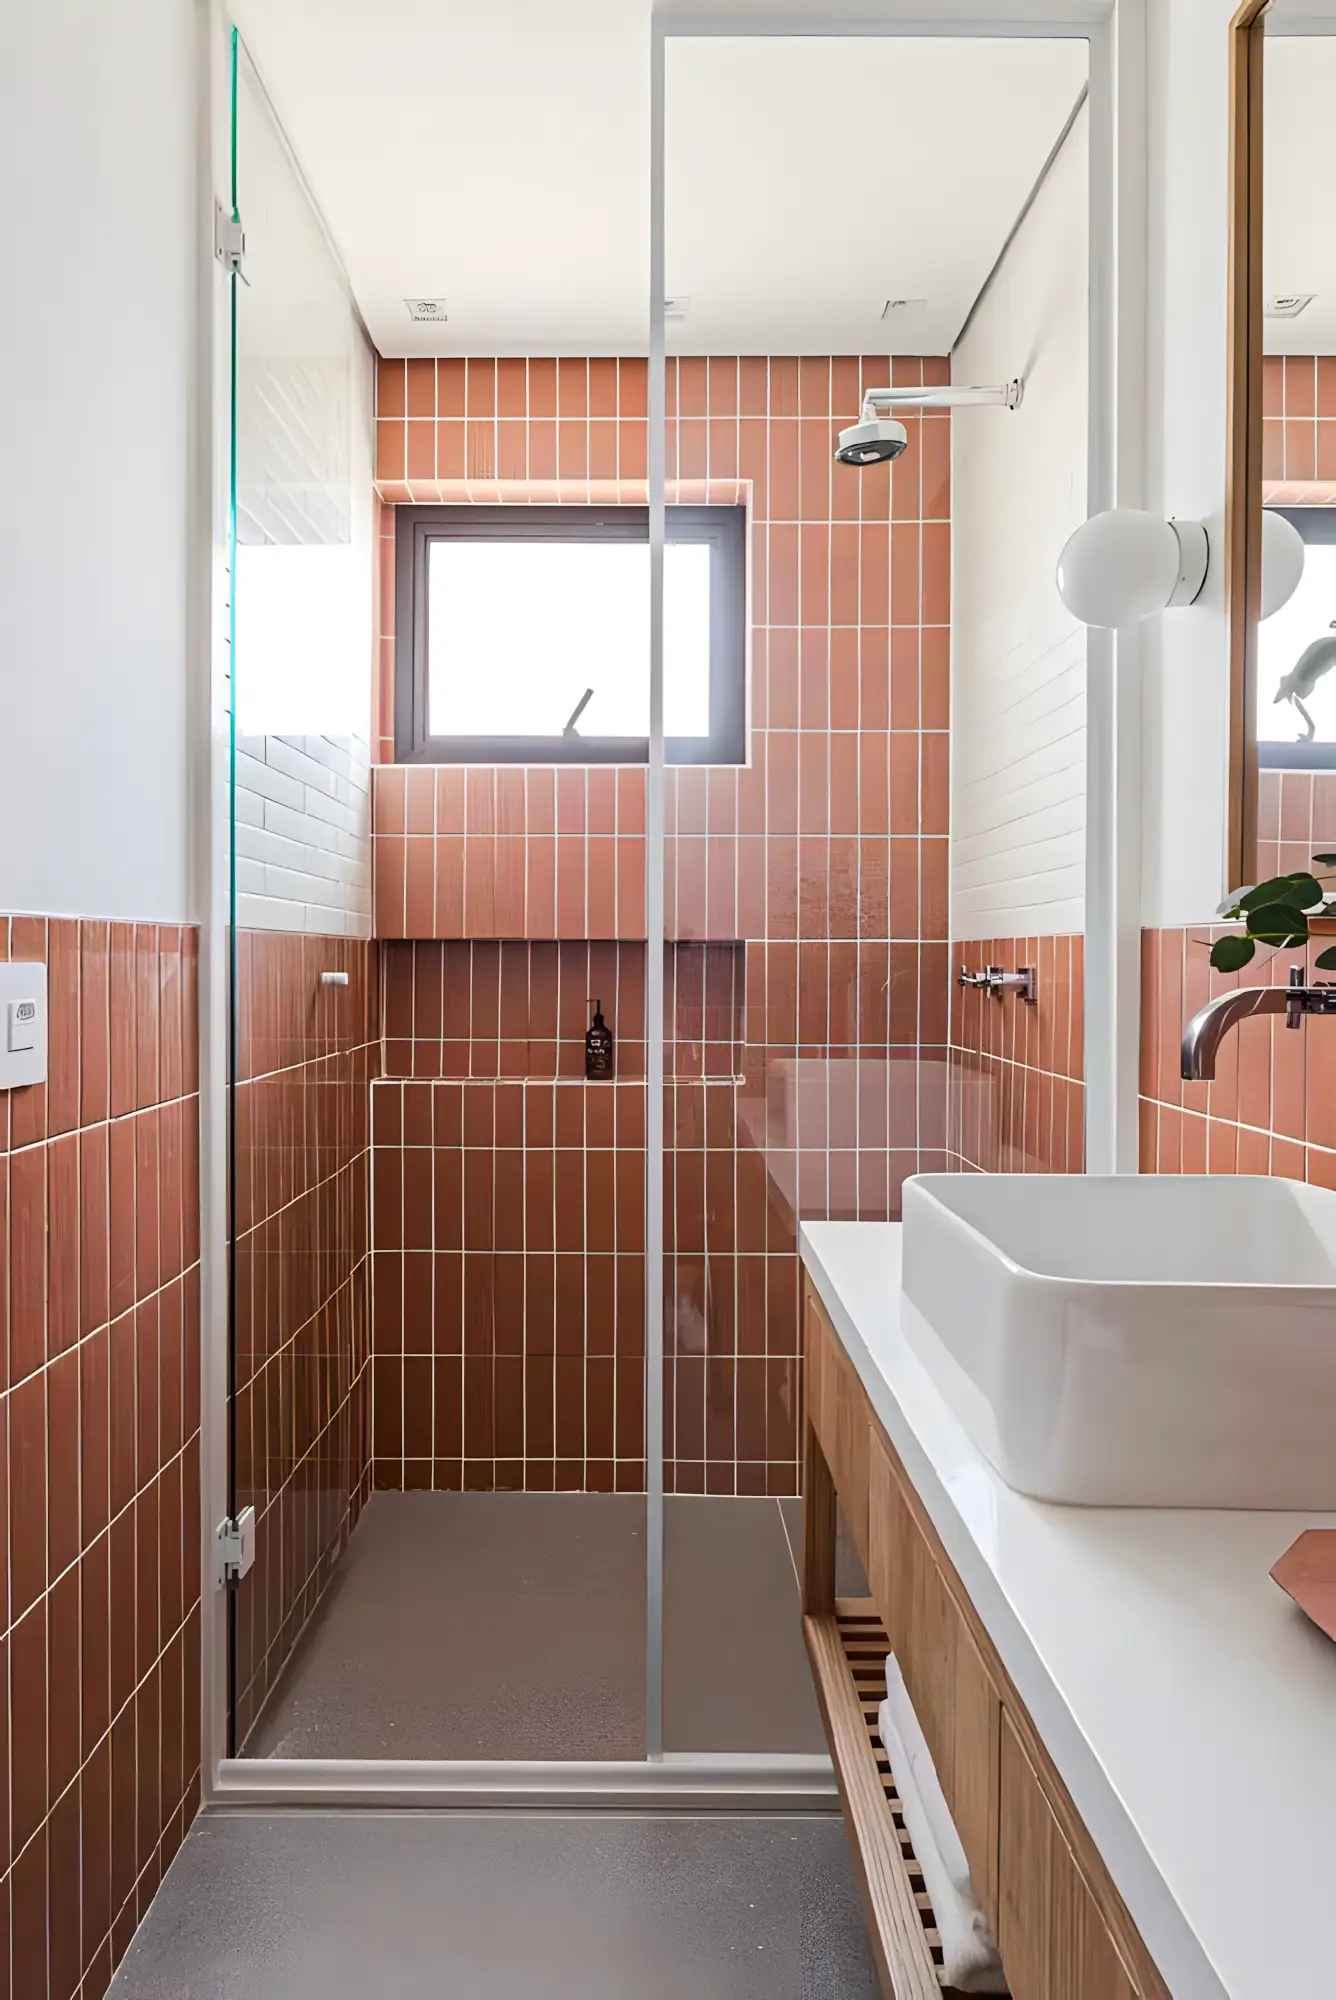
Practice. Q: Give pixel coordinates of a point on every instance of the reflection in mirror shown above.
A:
(1296, 647)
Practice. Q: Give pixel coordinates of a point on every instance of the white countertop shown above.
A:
(1189, 1707)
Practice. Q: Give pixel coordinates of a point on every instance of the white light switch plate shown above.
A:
(22, 1025)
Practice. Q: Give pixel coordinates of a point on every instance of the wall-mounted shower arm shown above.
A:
(1005, 395)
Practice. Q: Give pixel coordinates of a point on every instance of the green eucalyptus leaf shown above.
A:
(1270, 891)
(1231, 954)
(1326, 960)
(1304, 891)
(1279, 924)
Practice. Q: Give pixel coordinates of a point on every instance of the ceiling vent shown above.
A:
(676, 306)
(427, 312)
(1288, 305)
(894, 307)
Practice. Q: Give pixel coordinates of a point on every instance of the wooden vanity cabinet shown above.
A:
(837, 1412)
(1063, 1931)
(1053, 1941)
(957, 1705)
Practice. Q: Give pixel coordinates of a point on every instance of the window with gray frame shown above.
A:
(522, 635)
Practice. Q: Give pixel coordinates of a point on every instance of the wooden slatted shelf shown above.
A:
(848, 1651)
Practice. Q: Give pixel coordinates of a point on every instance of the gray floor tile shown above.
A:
(315, 1906)
(735, 1672)
(511, 1625)
(474, 1625)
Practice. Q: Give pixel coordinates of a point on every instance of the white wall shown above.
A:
(97, 152)
(1018, 488)
(1185, 690)
(303, 588)
(304, 834)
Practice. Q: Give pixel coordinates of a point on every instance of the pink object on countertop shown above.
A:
(1307, 1573)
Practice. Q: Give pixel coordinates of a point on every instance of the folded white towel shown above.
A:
(970, 1960)
(927, 1784)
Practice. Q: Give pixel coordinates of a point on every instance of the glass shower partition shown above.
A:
(543, 1331)
(804, 883)
(302, 990)
(437, 1239)
(759, 906)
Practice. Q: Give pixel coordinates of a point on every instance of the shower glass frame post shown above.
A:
(234, 281)
(657, 408)
(1117, 237)
(210, 615)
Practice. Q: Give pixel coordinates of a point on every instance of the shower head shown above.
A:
(872, 443)
(873, 439)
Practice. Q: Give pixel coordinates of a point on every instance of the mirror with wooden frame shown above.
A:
(1282, 433)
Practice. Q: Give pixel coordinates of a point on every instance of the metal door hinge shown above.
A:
(236, 1547)
(229, 241)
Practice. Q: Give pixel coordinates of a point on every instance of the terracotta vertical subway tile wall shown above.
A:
(99, 1450)
(806, 909)
(1272, 1106)
(1299, 429)
(1017, 1090)
(509, 1320)
(307, 1053)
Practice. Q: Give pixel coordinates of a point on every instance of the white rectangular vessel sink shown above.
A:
(1137, 1341)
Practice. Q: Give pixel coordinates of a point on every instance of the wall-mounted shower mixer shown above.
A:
(1024, 982)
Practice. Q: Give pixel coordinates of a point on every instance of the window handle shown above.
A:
(579, 709)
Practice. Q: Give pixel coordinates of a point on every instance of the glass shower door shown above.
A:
(804, 886)
(735, 1678)
(438, 1407)
(302, 990)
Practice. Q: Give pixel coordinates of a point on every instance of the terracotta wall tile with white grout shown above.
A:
(805, 892)
(1299, 429)
(1272, 1106)
(99, 1450)
(306, 1056)
(1017, 1090)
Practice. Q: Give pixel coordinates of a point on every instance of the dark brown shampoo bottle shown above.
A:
(598, 1045)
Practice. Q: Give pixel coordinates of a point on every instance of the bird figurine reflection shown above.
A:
(1313, 663)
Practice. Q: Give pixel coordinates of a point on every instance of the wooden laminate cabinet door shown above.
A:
(1053, 1941)
(838, 1411)
(817, 1346)
(976, 1771)
(921, 1621)
(930, 1668)
(1024, 1883)
(853, 1439)
(890, 1549)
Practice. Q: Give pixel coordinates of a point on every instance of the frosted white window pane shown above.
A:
(1281, 639)
(518, 631)
(301, 615)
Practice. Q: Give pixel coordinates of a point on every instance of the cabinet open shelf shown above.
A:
(847, 1649)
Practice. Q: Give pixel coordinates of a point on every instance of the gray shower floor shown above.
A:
(338, 1906)
(511, 1625)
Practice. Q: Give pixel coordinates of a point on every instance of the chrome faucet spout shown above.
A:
(1209, 1026)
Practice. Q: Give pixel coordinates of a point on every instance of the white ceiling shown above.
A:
(1299, 189)
(498, 155)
